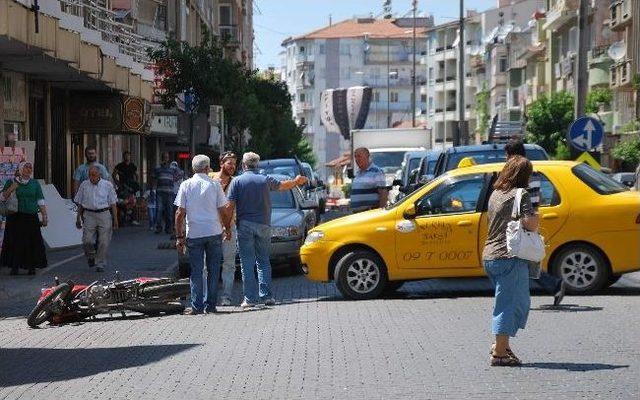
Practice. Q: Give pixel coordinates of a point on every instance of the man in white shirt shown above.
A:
(97, 215)
(202, 203)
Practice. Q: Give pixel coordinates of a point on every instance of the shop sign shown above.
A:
(133, 115)
(96, 113)
(166, 124)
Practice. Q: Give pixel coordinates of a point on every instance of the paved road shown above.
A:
(430, 341)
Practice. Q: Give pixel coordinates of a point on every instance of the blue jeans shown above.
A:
(164, 211)
(512, 300)
(550, 283)
(254, 243)
(211, 247)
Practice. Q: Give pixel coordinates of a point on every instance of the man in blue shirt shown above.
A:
(369, 187)
(249, 197)
(81, 173)
(163, 180)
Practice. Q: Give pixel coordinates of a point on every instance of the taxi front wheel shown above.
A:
(360, 275)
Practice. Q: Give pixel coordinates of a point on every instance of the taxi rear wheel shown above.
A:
(582, 268)
(360, 275)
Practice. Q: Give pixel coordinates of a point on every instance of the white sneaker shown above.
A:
(247, 304)
(225, 301)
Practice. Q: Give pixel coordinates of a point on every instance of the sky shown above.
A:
(275, 20)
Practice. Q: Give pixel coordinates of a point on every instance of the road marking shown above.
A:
(59, 263)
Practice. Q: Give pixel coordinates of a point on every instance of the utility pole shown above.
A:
(413, 69)
(460, 135)
(581, 71)
(388, 89)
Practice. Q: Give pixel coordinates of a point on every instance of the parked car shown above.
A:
(482, 154)
(291, 167)
(626, 178)
(590, 224)
(291, 218)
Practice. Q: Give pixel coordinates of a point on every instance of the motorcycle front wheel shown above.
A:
(173, 290)
(42, 311)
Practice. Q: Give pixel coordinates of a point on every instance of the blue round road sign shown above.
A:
(585, 133)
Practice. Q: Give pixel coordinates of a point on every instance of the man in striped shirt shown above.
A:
(369, 187)
(551, 284)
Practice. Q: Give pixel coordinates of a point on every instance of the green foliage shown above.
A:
(562, 151)
(628, 151)
(346, 189)
(631, 126)
(482, 109)
(304, 151)
(257, 107)
(548, 120)
(596, 97)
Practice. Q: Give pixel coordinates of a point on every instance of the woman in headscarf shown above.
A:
(23, 246)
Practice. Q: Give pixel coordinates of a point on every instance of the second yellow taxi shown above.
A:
(591, 226)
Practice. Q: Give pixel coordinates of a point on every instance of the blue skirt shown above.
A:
(510, 276)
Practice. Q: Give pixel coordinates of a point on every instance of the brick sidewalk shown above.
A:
(133, 252)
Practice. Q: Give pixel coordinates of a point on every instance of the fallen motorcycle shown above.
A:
(68, 302)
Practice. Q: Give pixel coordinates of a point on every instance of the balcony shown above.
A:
(229, 35)
(303, 106)
(393, 58)
(620, 74)
(562, 12)
(620, 15)
(304, 60)
(393, 106)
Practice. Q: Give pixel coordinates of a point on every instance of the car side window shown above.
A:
(453, 196)
(549, 195)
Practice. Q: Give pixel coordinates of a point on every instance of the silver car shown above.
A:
(292, 216)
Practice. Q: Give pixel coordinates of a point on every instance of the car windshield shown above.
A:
(288, 170)
(490, 156)
(413, 164)
(431, 167)
(597, 181)
(282, 199)
(389, 161)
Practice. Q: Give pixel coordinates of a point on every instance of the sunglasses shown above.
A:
(227, 155)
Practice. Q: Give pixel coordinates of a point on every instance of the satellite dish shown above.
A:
(617, 51)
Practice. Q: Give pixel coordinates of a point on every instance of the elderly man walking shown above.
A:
(368, 188)
(97, 215)
(249, 197)
(202, 203)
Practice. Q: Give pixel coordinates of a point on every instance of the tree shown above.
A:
(257, 107)
(548, 119)
(628, 152)
(596, 97)
(482, 109)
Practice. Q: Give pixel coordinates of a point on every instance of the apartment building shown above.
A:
(355, 52)
(234, 24)
(485, 66)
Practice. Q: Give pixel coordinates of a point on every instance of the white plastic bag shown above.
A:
(522, 243)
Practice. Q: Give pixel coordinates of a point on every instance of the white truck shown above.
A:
(388, 146)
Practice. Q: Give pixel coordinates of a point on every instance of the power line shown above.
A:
(273, 30)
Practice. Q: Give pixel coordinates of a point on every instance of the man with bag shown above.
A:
(551, 284)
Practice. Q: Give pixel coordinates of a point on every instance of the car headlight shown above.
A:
(291, 231)
(313, 237)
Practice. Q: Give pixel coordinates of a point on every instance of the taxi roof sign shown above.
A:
(588, 159)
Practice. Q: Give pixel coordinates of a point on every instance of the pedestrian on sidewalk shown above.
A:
(510, 275)
(23, 247)
(553, 285)
(369, 187)
(97, 216)
(229, 247)
(82, 172)
(203, 205)
(163, 179)
(249, 198)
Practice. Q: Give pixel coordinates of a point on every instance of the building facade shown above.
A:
(356, 52)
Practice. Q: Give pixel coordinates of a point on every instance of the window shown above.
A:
(345, 50)
(225, 15)
(394, 97)
(503, 64)
(321, 48)
(423, 98)
(303, 121)
(549, 196)
(376, 96)
(431, 103)
(453, 196)
(301, 50)
(393, 73)
(161, 17)
(303, 97)
(597, 181)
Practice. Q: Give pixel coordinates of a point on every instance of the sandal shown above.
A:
(509, 360)
(508, 350)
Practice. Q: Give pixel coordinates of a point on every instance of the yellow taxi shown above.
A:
(590, 223)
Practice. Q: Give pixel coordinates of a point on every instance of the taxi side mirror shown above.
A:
(409, 212)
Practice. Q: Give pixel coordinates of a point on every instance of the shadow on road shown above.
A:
(35, 365)
(574, 367)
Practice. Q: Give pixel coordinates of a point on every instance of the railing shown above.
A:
(99, 18)
(229, 33)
